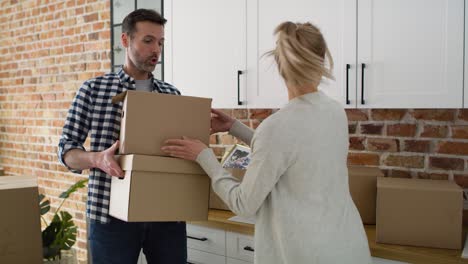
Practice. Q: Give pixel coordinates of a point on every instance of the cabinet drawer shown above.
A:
(199, 257)
(206, 239)
(240, 246)
(236, 261)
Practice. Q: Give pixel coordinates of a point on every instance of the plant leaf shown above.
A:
(44, 205)
(78, 185)
(66, 237)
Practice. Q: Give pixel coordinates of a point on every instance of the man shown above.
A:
(92, 112)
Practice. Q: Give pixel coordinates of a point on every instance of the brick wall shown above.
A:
(47, 48)
(408, 143)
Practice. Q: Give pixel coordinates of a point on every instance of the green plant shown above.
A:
(60, 233)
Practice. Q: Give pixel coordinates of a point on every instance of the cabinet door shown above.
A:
(337, 21)
(205, 49)
(413, 53)
(206, 239)
(200, 257)
(465, 101)
(239, 246)
(236, 261)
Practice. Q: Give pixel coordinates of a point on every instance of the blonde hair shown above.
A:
(300, 54)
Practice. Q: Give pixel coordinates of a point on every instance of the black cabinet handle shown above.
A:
(198, 238)
(362, 83)
(188, 262)
(239, 73)
(249, 248)
(347, 83)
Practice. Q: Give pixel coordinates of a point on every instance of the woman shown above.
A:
(297, 181)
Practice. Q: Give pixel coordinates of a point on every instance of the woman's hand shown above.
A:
(185, 148)
(220, 122)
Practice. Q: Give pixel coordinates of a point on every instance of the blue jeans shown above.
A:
(119, 242)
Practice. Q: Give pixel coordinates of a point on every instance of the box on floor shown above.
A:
(159, 189)
(20, 227)
(148, 119)
(419, 212)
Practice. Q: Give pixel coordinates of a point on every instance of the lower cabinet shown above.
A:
(198, 257)
(236, 261)
(239, 246)
(216, 246)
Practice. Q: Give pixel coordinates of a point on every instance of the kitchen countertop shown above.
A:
(219, 219)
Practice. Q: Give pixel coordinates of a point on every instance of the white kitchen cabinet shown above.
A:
(387, 53)
(465, 101)
(211, 245)
(205, 49)
(334, 18)
(206, 239)
(412, 52)
(201, 257)
(236, 261)
(239, 246)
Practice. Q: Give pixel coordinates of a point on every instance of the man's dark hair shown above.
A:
(140, 15)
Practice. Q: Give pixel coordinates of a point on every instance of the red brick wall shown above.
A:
(47, 49)
(427, 144)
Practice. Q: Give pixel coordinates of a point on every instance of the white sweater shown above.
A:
(297, 186)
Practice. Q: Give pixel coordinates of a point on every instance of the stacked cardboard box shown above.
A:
(156, 187)
(20, 227)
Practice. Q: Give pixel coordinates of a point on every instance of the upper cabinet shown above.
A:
(465, 101)
(410, 53)
(205, 49)
(387, 53)
(335, 18)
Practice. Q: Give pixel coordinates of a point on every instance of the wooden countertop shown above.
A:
(219, 219)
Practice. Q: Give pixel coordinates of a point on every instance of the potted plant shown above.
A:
(60, 233)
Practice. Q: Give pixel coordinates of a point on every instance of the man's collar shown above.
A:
(130, 81)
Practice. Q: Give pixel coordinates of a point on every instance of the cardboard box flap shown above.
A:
(418, 184)
(119, 98)
(17, 182)
(158, 163)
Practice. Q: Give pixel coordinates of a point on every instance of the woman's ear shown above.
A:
(124, 39)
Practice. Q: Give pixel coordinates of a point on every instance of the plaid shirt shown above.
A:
(92, 112)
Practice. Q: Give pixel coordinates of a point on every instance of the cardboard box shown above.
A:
(159, 189)
(419, 212)
(363, 189)
(215, 201)
(148, 119)
(20, 226)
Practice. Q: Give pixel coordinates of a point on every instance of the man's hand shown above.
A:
(220, 122)
(185, 148)
(106, 162)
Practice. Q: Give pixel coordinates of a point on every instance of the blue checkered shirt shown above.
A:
(93, 113)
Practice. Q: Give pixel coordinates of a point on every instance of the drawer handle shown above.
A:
(198, 238)
(249, 248)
